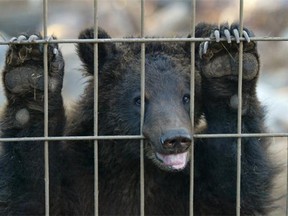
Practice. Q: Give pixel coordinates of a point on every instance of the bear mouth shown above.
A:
(174, 162)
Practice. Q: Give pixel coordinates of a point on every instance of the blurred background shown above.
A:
(66, 18)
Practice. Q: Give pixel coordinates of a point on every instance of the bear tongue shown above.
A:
(176, 161)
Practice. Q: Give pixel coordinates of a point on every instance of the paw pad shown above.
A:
(220, 57)
(22, 116)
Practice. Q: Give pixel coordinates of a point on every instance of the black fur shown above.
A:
(22, 163)
(166, 112)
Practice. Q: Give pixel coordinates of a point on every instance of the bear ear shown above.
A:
(86, 50)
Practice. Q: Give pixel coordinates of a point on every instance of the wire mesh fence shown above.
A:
(142, 40)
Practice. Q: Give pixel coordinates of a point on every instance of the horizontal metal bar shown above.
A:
(129, 137)
(75, 138)
(139, 40)
(240, 135)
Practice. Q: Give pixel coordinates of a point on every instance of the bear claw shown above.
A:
(55, 51)
(234, 34)
(217, 35)
(227, 35)
(13, 39)
(21, 53)
(33, 38)
(246, 36)
(21, 38)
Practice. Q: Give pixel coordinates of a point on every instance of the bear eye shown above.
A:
(137, 101)
(186, 99)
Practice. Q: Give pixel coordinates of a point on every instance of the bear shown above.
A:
(167, 129)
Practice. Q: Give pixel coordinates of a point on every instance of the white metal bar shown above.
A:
(286, 176)
(127, 137)
(96, 176)
(46, 114)
(142, 180)
(140, 40)
(119, 137)
(239, 115)
(192, 105)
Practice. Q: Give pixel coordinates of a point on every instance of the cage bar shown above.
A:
(286, 176)
(139, 40)
(239, 114)
(46, 114)
(96, 177)
(142, 180)
(192, 104)
(128, 137)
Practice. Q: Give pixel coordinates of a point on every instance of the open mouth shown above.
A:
(173, 161)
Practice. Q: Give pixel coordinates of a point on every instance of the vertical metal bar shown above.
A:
(96, 177)
(46, 144)
(239, 114)
(192, 104)
(286, 176)
(142, 181)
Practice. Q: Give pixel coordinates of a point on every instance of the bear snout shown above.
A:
(176, 140)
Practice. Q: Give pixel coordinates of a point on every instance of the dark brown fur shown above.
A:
(166, 109)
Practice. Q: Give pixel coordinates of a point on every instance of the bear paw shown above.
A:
(221, 58)
(24, 70)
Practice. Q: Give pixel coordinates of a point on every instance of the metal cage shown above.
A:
(142, 40)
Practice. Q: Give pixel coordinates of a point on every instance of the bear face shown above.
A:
(167, 124)
(167, 96)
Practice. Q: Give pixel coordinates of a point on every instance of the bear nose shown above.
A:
(176, 140)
